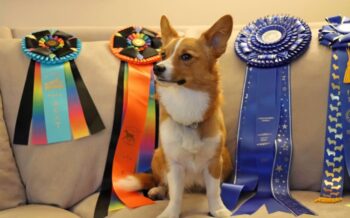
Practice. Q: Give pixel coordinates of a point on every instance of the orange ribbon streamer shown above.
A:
(347, 71)
(126, 154)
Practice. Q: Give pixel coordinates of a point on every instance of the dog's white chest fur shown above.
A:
(183, 145)
(184, 105)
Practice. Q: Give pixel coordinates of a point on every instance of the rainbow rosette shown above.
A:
(336, 35)
(264, 149)
(273, 41)
(136, 45)
(138, 48)
(55, 105)
(51, 47)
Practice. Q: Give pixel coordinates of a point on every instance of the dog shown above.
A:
(192, 150)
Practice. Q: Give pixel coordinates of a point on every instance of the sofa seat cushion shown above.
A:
(86, 207)
(37, 211)
(196, 206)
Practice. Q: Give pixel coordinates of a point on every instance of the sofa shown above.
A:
(63, 180)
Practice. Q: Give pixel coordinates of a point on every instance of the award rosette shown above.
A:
(263, 157)
(134, 134)
(336, 35)
(55, 105)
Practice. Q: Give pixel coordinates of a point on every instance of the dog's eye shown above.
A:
(163, 54)
(186, 57)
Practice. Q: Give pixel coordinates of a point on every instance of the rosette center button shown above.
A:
(271, 36)
(138, 42)
(52, 43)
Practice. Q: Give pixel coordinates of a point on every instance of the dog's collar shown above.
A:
(193, 125)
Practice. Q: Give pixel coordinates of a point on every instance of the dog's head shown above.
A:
(191, 62)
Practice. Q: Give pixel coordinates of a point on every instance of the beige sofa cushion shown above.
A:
(91, 33)
(36, 211)
(12, 192)
(196, 206)
(65, 173)
(86, 207)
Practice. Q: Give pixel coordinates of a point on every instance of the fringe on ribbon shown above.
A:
(328, 200)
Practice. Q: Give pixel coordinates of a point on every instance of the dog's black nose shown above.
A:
(158, 69)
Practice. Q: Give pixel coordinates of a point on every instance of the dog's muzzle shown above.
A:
(159, 70)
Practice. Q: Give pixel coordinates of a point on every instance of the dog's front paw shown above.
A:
(169, 213)
(157, 193)
(221, 213)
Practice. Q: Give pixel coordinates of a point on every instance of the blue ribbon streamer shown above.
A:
(55, 103)
(337, 140)
(265, 113)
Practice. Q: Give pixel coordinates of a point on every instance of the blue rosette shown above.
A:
(337, 33)
(51, 47)
(273, 41)
(264, 146)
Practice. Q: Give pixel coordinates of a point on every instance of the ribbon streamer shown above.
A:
(55, 102)
(337, 140)
(134, 134)
(106, 196)
(25, 110)
(264, 149)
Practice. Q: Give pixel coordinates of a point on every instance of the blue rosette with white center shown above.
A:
(51, 47)
(264, 148)
(273, 41)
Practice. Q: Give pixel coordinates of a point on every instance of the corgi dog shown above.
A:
(192, 134)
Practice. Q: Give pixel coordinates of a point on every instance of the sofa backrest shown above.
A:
(309, 77)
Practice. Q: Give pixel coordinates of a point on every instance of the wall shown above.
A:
(22, 13)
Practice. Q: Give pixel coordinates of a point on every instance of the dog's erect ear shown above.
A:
(217, 36)
(168, 32)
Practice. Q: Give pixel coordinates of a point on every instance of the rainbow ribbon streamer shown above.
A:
(55, 102)
(39, 130)
(147, 145)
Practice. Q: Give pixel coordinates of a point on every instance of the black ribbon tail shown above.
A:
(104, 198)
(25, 110)
(156, 141)
(92, 117)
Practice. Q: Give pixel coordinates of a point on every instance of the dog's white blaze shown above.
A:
(168, 63)
(184, 146)
(184, 105)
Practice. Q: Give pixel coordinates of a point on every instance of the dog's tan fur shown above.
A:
(202, 80)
